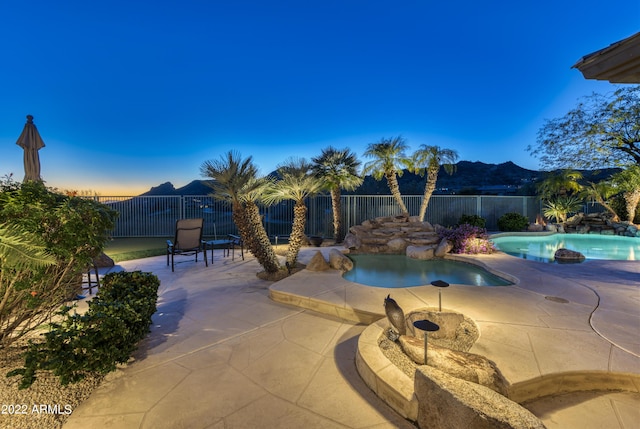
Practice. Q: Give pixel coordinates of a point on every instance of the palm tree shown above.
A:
(297, 182)
(338, 169)
(559, 207)
(235, 181)
(389, 159)
(561, 183)
(429, 159)
(601, 192)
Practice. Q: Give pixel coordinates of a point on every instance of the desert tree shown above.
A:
(338, 169)
(602, 131)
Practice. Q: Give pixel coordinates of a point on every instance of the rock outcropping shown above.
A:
(448, 402)
(394, 235)
(598, 223)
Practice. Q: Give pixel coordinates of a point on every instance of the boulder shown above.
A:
(351, 241)
(566, 255)
(447, 321)
(367, 224)
(582, 229)
(534, 227)
(420, 252)
(448, 403)
(339, 261)
(466, 366)
(575, 220)
(397, 245)
(443, 248)
(103, 261)
(318, 263)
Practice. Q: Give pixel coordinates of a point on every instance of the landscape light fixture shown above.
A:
(439, 284)
(426, 326)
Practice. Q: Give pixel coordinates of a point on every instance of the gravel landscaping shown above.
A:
(46, 404)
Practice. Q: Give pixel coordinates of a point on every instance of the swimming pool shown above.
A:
(592, 246)
(397, 271)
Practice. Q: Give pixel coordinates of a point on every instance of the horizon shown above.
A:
(128, 96)
(383, 182)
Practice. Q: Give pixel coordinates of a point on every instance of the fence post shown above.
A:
(478, 205)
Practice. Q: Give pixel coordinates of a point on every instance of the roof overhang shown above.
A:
(617, 63)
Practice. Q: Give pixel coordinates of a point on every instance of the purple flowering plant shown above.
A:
(468, 239)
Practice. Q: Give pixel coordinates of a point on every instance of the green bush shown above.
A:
(70, 229)
(95, 342)
(512, 222)
(473, 220)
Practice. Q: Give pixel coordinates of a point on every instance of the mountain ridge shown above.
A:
(469, 177)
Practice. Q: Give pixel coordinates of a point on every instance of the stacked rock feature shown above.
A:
(599, 223)
(591, 223)
(397, 235)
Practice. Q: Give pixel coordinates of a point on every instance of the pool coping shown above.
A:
(459, 258)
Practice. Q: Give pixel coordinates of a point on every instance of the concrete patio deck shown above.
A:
(221, 354)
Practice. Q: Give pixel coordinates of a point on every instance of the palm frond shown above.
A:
(21, 249)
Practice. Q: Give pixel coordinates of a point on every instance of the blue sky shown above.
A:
(129, 94)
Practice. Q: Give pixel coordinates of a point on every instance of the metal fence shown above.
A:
(155, 216)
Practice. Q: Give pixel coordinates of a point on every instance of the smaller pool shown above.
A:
(592, 246)
(397, 271)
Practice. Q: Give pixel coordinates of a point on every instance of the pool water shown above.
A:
(397, 271)
(543, 247)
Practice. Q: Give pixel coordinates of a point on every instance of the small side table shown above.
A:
(211, 244)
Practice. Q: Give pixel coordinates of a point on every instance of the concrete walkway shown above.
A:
(223, 355)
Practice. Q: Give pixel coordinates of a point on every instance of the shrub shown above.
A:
(512, 222)
(473, 220)
(559, 207)
(468, 239)
(95, 342)
(72, 230)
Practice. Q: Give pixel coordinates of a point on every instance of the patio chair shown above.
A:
(188, 240)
